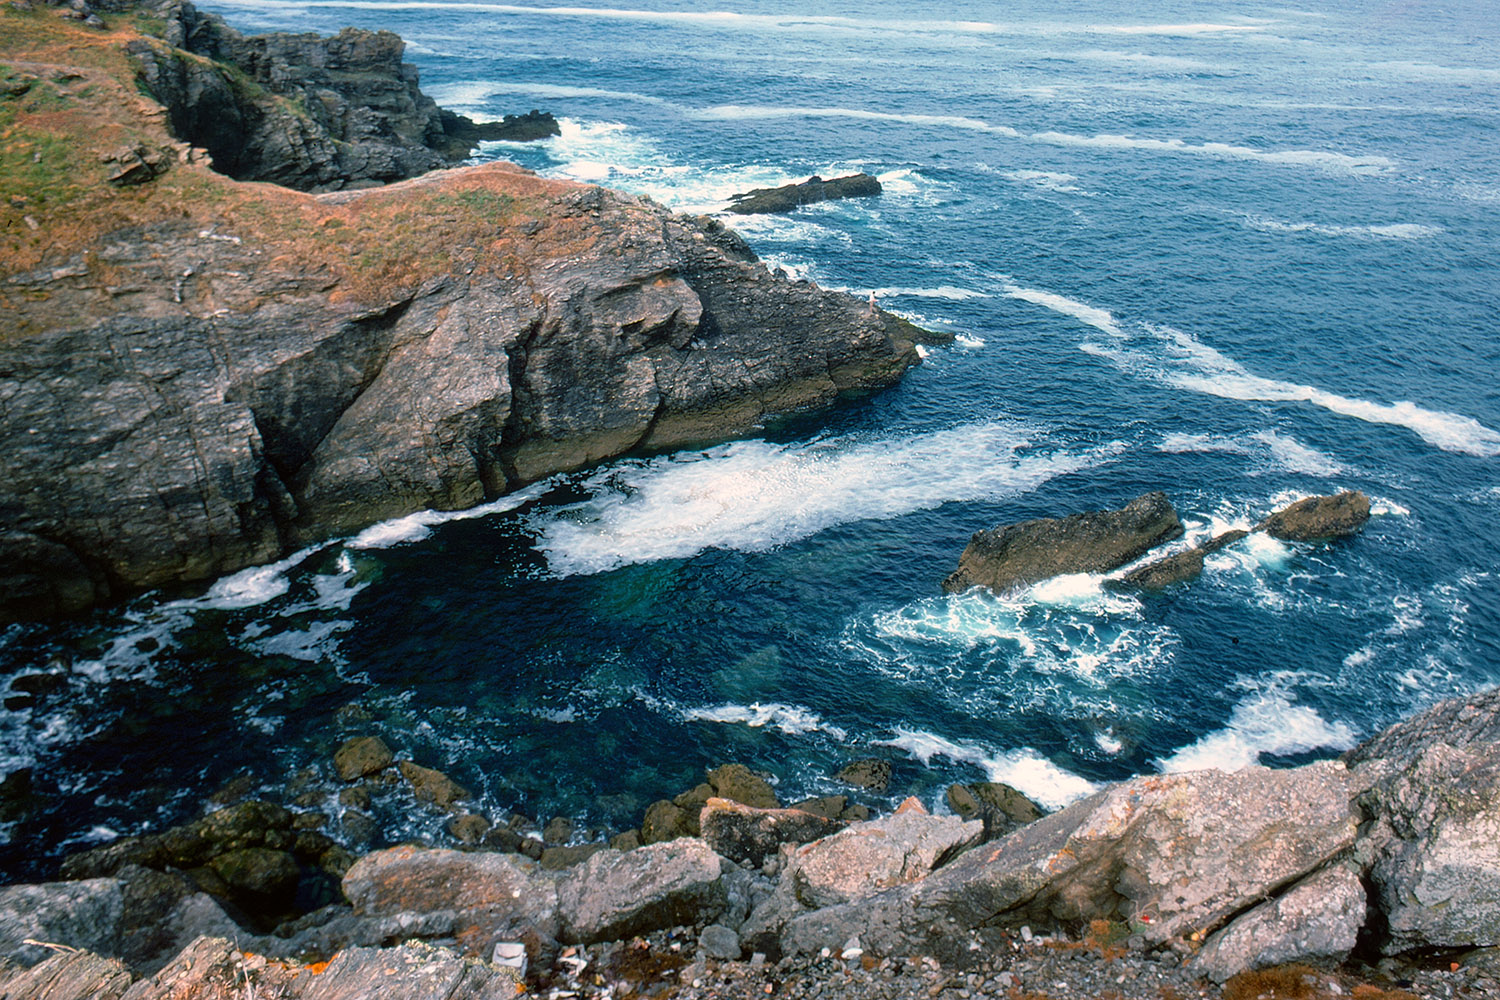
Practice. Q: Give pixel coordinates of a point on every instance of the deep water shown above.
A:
(1239, 252)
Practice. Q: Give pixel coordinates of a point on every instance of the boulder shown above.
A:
(1317, 919)
(1015, 555)
(469, 828)
(414, 970)
(746, 834)
(1317, 518)
(998, 806)
(869, 857)
(665, 821)
(433, 786)
(557, 858)
(791, 196)
(827, 806)
(1174, 853)
(67, 975)
(738, 783)
(615, 895)
(871, 774)
(84, 915)
(483, 888)
(258, 876)
(361, 756)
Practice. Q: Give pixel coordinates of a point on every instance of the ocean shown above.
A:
(1242, 253)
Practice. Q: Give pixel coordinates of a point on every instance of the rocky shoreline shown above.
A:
(1368, 872)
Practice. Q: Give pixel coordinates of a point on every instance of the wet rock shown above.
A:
(433, 786)
(1317, 919)
(357, 797)
(468, 828)
(871, 774)
(1016, 555)
(627, 841)
(503, 838)
(1318, 518)
(998, 806)
(559, 830)
(262, 878)
(738, 783)
(358, 827)
(360, 756)
(664, 821)
(529, 127)
(1178, 568)
(791, 196)
(613, 895)
(746, 834)
(855, 814)
(828, 806)
(557, 858)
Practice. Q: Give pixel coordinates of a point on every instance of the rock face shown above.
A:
(311, 113)
(813, 190)
(1318, 919)
(1317, 518)
(200, 424)
(1015, 555)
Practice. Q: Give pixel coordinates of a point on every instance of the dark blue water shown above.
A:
(1241, 253)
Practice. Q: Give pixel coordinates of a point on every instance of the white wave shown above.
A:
(415, 527)
(1181, 30)
(790, 719)
(1325, 160)
(1282, 453)
(252, 586)
(969, 341)
(1384, 507)
(1178, 443)
(1048, 180)
(1294, 456)
(1023, 769)
(1192, 365)
(753, 495)
(746, 112)
(1265, 722)
(1488, 75)
(1100, 319)
(1393, 231)
(473, 93)
(1256, 554)
(1176, 63)
(944, 292)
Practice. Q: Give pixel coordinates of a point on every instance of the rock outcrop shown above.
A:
(1316, 518)
(811, 191)
(1014, 555)
(312, 113)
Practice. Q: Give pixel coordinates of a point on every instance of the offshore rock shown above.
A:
(1318, 919)
(1015, 555)
(791, 196)
(1317, 518)
(871, 774)
(231, 407)
(530, 127)
(1177, 568)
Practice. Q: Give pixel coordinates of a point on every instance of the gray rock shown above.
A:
(1015, 555)
(412, 971)
(488, 892)
(614, 895)
(1463, 723)
(84, 915)
(1319, 918)
(718, 941)
(746, 834)
(1316, 518)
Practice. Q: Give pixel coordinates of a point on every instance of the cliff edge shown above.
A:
(199, 374)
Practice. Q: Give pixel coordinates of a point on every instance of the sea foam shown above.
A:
(1266, 721)
(1023, 769)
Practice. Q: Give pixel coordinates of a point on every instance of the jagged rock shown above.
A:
(1181, 851)
(1316, 518)
(1016, 555)
(791, 196)
(361, 756)
(208, 969)
(79, 975)
(267, 877)
(613, 895)
(1177, 568)
(871, 774)
(738, 783)
(743, 833)
(82, 915)
(138, 164)
(1317, 919)
(1471, 723)
(529, 127)
(998, 806)
(325, 413)
(430, 785)
(414, 970)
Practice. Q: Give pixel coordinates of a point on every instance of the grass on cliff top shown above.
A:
(69, 97)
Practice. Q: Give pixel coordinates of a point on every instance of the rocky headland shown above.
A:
(202, 373)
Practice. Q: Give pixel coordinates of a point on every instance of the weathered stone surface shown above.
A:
(360, 756)
(1472, 722)
(1437, 839)
(1316, 518)
(501, 887)
(208, 969)
(614, 895)
(259, 873)
(718, 941)
(738, 783)
(469, 828)
(79, 975)
(1177, 568)
(411, 971)
(557, 858)
(531, 126)
(430, 785)
(82, 914)
(871, 773)
(1180, 852)
(746, 834)
(792, 196)
(1016, 555)
(1319, 918)
(869, 857)
(283, 408)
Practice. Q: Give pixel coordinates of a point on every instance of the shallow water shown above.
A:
(1239, 253)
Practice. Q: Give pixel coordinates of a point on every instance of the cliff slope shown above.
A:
(198, 374)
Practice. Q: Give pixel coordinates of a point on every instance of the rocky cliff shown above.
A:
(199, 374)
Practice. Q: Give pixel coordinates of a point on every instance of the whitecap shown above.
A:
(793, 720)
(1100, 319)
(948, 292)
(1390, 231)
(1292, 455)
(753, 496)
(1267, 721)
(417, 526)
(252, 586)
(1048, 180)
(1325, 160)
(1023, 769)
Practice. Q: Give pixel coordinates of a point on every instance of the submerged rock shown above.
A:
(1317, 518)
(1015, 555)
(813, 190)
